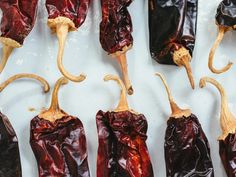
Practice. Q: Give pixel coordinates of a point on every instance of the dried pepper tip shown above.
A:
(123, 64)
(54, 112)
(8, 46)
(222, 31)
(227, 119)
(62, 26)
(176, 111)
(123, 104)
(25, 75)
(182, 57)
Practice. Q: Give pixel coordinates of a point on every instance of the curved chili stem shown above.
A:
(227, 119)
(25, 75)
(182, 57)
(62, 31)
(54, 112)
(176, 111)
(123, 104)
(6, 52)
(222, 31)
(123, 64)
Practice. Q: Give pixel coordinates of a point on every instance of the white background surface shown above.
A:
(83, 53)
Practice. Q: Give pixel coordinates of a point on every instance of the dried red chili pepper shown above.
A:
(115, 33)
(10, 164)
(58, 141)
(187, 151)
(227, 141)
(226, 21)
(65, 16)
(172, 28)
(17, 22)
(122, 137)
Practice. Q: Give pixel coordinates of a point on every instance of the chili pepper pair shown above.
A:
(57, 140)
(19, 18)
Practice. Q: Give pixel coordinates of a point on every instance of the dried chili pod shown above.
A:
(58, 141)
(65, 16)
(172, 29)
(17, 22)
(227, 141)
(10, 164)
(226, 21)
(122, 138)
(115, 33)
(187, 151)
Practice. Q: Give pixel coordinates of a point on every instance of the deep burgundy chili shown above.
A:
(115, 33)
(226, 21)
(187, 151)
(10, 163)
(58, 142)
(227, 141)
(17, 22)
(65, 16)
(122, 150)
(172, 29)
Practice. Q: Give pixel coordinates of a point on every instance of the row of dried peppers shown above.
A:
(59, 143)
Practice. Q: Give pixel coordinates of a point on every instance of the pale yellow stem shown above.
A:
(6, 52)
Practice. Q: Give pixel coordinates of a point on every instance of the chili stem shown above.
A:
(123, 64)
(25, 75)
(123, 104)
(6, 52)
(182, 58)
(222, 31)
(176, 111)
(227, 119)
(62, 30)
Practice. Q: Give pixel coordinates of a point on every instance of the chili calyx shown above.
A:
(187, 151)
(227, 141)
(58, 141)
(17, 22)
(122, 135)
(10, 163)
(226, 21)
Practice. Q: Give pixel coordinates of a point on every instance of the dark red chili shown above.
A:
(122, 150)
(58, 141)
(10, 163)
(172, 28)
(115, 33)
(187, 151)
(226, 21)
(65, 16)
(17, 22)
(227, 141)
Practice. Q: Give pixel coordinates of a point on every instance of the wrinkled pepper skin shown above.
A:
(228, 154)
(75, 10)
(18, 18)
(226, 15)
(10, 164)
(172, 25)
(116, 25)
(187, 151)
(122, 150)
(59, 147)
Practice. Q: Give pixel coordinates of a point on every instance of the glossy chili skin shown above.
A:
(226, 14)
(75, 10)
(172, 25)
(10, 164)
(187, 151)
(59, 147)
(116, 25)
(228, 154)
(122, 150)
(18, 18)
